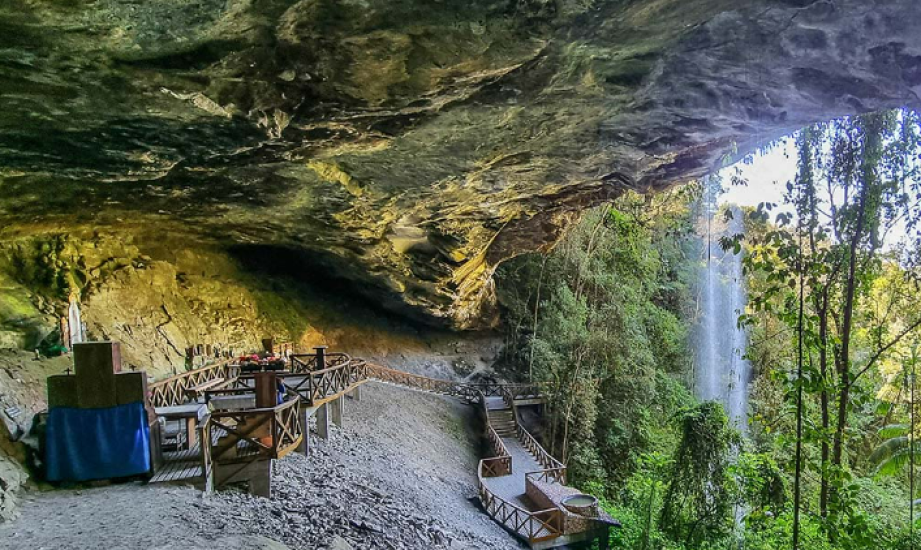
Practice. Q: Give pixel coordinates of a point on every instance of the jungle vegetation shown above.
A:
(832, 273)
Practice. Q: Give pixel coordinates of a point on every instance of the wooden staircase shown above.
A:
(503, 421)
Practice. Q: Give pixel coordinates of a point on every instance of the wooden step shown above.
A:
(502, 421)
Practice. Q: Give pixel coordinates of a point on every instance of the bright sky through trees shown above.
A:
(767, 175)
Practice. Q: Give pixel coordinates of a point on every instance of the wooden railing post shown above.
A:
(207, 461)
(321, 357)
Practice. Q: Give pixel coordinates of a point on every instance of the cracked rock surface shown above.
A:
(410, 146)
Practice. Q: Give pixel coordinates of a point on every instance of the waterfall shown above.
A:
(722, 372)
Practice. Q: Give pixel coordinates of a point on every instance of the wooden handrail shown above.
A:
(544, 458)
(550, 475)
(299, 365)
(283, 422)
(416, 381)
(530, 525)
(170, 391)
(332, 381)
(286, 431)
(534, 526)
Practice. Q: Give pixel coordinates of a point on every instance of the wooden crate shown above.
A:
(95, 364)
(62, 391)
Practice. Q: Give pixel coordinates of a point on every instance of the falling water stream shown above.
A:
(722, 372)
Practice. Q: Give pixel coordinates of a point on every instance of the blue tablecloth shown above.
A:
(84, 444)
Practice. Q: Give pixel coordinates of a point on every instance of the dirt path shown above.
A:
(399, 475)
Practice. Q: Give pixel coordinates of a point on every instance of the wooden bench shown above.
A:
(194, 392)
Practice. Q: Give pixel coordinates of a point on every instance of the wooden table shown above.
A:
(192, 413)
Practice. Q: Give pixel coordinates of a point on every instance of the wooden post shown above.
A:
(604, 540)
(305, 426)
(323, 421)
(356, 393)
(266, 396)
(337, 409)
(266, 389)
(191, 429)
(321, 357)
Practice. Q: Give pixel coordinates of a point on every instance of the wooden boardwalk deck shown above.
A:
(187, 464)
(179, 466)
(504, 496)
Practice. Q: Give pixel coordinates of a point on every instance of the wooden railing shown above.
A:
(306, 362)
(533, 526)
(523, 391)
(172, 391)
(252, 434)
(500, 463)
(287, 431)
(544, 458)
(448, 387)
(434, 385)
(550, 475)
(331, 381)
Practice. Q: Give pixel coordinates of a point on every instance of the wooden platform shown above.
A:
(179, 466)
(186, 465)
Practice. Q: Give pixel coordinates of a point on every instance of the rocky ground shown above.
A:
(22, 395)
(398, 475)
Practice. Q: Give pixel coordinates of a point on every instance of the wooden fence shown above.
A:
(533, 526)
(173, 390)
(306, 362)
(251, 434)
(332, 381)
(400, 378)
(544, 458)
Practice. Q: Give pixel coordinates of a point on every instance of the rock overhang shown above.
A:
(408, 146)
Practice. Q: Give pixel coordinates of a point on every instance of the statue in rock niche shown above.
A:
(76, 330)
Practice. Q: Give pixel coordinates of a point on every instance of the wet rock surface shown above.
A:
(407, 146)
(399, 474)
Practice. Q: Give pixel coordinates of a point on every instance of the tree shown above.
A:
(856, 185)
(698, 503)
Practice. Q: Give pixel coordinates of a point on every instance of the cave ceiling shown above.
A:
(410, 146)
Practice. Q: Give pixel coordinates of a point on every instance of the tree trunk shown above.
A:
(823, 397)
(872, 143)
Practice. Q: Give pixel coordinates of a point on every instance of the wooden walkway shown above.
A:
(180, 466)
(512, 487)
(518, 462)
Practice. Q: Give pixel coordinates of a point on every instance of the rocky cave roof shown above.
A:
(410, 146)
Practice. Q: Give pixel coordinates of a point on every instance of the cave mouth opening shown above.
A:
(320, 277)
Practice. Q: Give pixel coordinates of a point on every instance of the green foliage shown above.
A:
(855, 183)
(602, 320)
(698, 501)
(893, 454)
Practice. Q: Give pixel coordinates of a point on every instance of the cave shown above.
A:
(352, 173)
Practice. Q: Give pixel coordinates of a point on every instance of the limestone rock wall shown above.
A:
(156, 306)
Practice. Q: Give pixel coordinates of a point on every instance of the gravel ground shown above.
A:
(398, 475)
